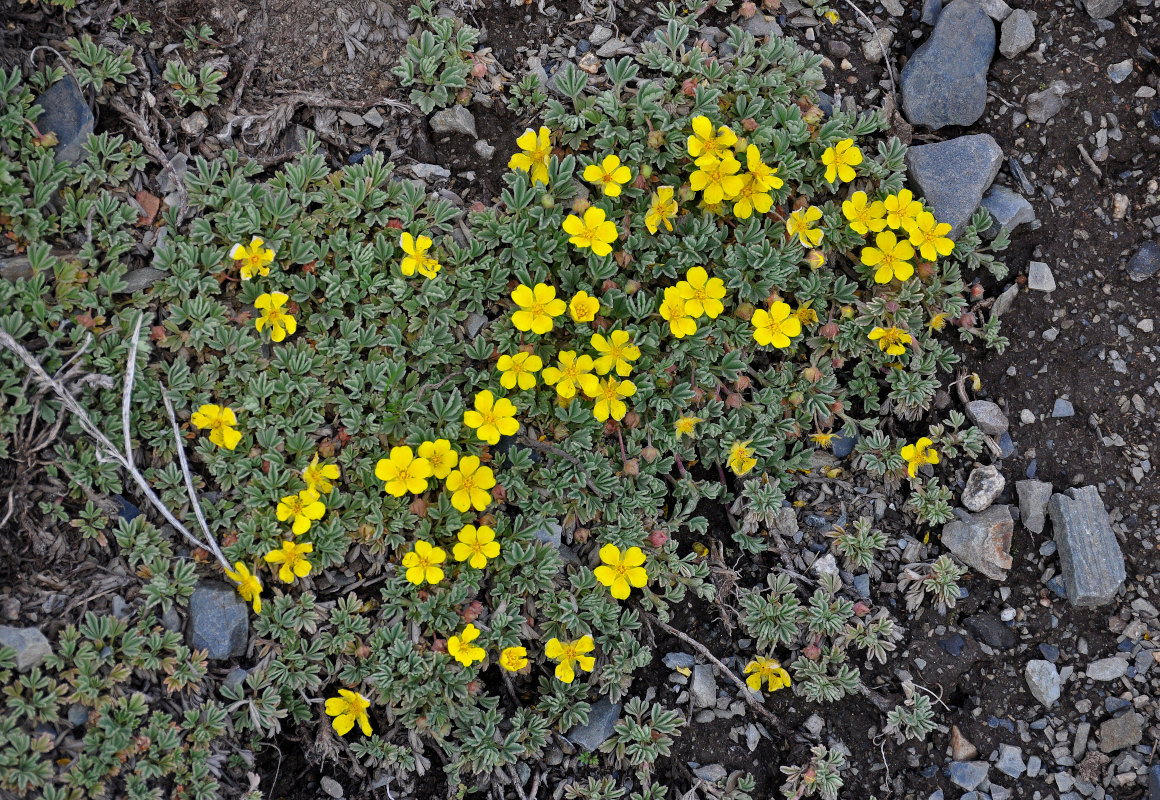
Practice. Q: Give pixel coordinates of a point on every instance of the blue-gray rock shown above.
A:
(983, 486)
(1123, 731)
(704, 687)
(761, 25)
(931, 9)
(29, 643)
(68, 116)
(862, 585)
(982, 541)
(235, 677)
(953, 644)
(1010, 761)
(1049, 651)
(711, 773)
(1146, 262)
(140, 279)
(1107, 669)
(1043, 681)
(842, 446)
(1119, 72)
(1006, 446)
(1007, 208)
(679, 660)
(1017, 33)
(219, 621)
(1033, 499)
(945, 81)
(968, 774)
(601, 720)
(991, 630)
(15, 268)
(1062, 408)
(1102, 9)
(988, 417)
(953, 175)
(1154, 783)
(1089, 554)
(78, 715)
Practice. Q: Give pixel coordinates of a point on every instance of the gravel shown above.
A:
(1119, 732)
(704, 687)
(1044, 104)
(968, 774)
(1009, 210)
(1039, 277)
(1062, 408)
(1119, 72)
(1010, 761)
(1145, 262)
(1102, 9)
(1107, 669)
(1033, 498)
(456, 119)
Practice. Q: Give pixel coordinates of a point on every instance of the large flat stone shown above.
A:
(601, 721)
(953, 175)
(945, 81)
(982, 541)
(68, 116)
(1090, 555)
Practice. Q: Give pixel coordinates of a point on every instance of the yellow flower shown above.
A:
(221, 421)
(319, 476)
(301, 510)
(832, 17)
(281, 324)
(519, 370)
(513, 659)
(416, 258)
(470, 485)
(621, 573)
(806, 314)
(764, 176)
(476, 545)
(403, 472)
(292, 557)
(801, 225)
(594, 231)
(890, 258)
(685, 426)
(662, 210)
(892, 341)
(929, 235)
(461, 648)
(608, 394)
(568, 653)
(249, 587)
(537, 150)
(741, 458)
(775, 327)
(440, 456)
(840, 161)
(676, 312)
(938, 321)
(704, 142)
(583, 307)
(616, 352)
(347, 709)
(422, 563)
(768, 670)
(538, 307)
(918, 455)
(491, 418)
(609, 175)
(751, 198)
(823, 439)
(900, 208)
(702, 294)
(566, 375)
(717, 178)
(863, 215)
(255, 259)
(816, 259)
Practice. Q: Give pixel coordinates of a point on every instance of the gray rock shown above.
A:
(15, 268)
(1033, 498)
(989, 418)
(990, 629)
(600, 34)
(1154, 783)
(893, 7)
(1089, 554)
(872, 48)
(219, 620)
(142, 278)
(68, 116)
(1017, 33)
(842, 446)
(1062, 408)
(484, 149)
(332, 787)
(837, 48)
(931, 9)
(373, 117)
(760, 25)
(1107, 669)
(29, 643)
(235, 677)
(1004, 301)
(456, 119)
(1043, 681)
(610, 48)
(1123, 731)
(945, 81)
(171, 620)
(78, 714)
(982, 541)
(814, 725)
(428, 172)
(983, 486)
(196, 123)
(704, 687)
(1119, 72)
(474, 324)
(1039, 277)
(679, 660)
(711, 773)
(1045, 104)
(1010, 761)
(1146, 262)
(752, 737)
(1009, 210)
(953, 175)
(968, 774)
(601, 720)
(1102, 9)
(995, 9)
(549, 534)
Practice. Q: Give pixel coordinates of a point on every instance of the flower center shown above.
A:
(468, 483)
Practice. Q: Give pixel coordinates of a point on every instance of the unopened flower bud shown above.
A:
(632, 467)
(498, 493)
(891, 306)
(837, 406)
(632, 287)
(473, 611)
(812, 374)
(547, 201)
(479, 70)
(649, 454)
(976, 291)
(830, 330)
(744, 311)
(861, 609)
(656, 139)
(580, 205)
(743, 382)
(796, 398)
(924, 270)
(748, 9)
(608, 285)
(812, 652)
(967, 320)
(418, 507)
(632, 420)
(658, 538)
(734, 400)
(646, 171)
(749, 124)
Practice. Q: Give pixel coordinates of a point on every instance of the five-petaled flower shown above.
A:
(568, 653)
(661, 210)
(901, 208)
(292, 557)
(347, 709)
(686, 426)
(741, 458)
(621, 573)
(254, 260)
(840, 161)
(566, 375)
(460, 647)
(766, 670)
(706, 143)
(594, 231)
(320, 477)
(751, 198)
(776, 327)
(890, 259)
(440, 456)
(513, 659)
(892, 341)
(609, 175)
(470, 485)
(764, 176)
(583, 307)
(675, 311)
(249, 587)
(537, 149)
(717, 178)
(538, 307)
(301, 510)
(702, 294)
(801, 225)
(402, 471)
(221, 421)
(608, 394)
(416, 258)
(929, 235)
(519, 370)
(476, 545)
(918, 455)
(864, 216)
(422, 563)
(281, 323)
(491, 418)
(616, 353)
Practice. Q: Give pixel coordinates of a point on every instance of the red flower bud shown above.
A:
(649, 454)
(658, 538)
(734, 400)
(632, 467)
